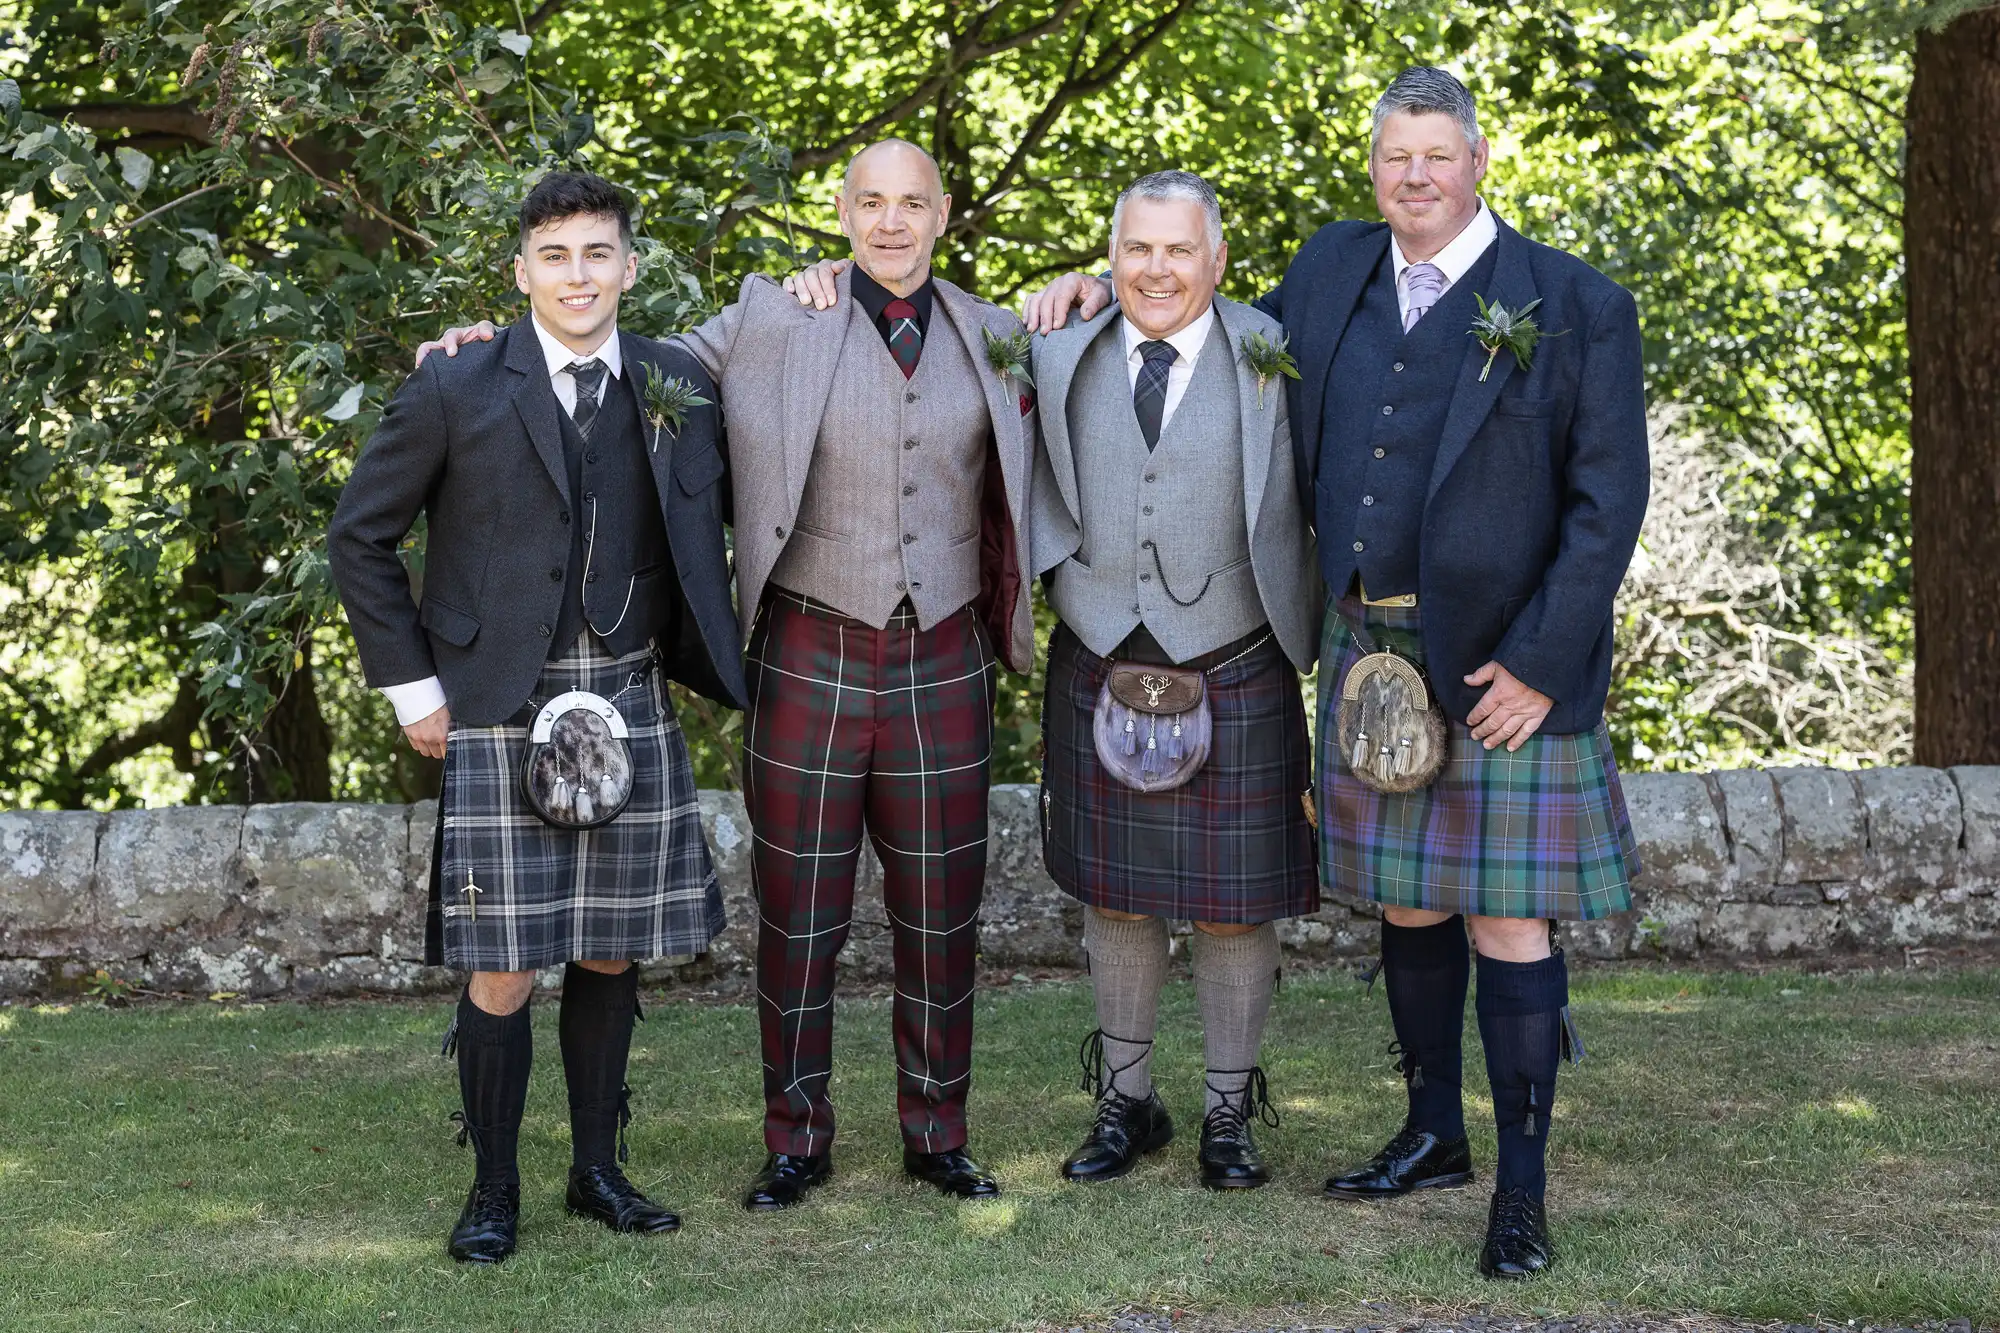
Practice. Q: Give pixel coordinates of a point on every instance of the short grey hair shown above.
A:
(1183, 185)
(1424, 90)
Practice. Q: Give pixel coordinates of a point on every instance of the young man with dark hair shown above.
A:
(575, 544)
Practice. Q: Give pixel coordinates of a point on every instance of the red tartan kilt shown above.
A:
(1232, 845)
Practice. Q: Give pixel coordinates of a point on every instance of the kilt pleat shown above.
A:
(1541, 832)
(642, 886)
(1232, 845)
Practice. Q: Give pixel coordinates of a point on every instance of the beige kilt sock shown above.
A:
(1234, 977)
(1128, 965)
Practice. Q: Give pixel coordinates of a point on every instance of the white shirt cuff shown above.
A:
(416, 700)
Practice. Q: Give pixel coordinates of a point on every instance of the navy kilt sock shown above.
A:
(1521, 1022)
(495, 1053)
(1425, 970)
(598, 1009)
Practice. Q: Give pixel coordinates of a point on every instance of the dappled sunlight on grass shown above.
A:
(992, 1218)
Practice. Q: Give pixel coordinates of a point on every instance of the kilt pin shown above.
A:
(852, 728)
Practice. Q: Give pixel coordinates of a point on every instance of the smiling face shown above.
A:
(1165, 265)
(1426, 180)
(573, 270)
(893, 208)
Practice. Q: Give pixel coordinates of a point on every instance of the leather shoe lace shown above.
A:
(1517, 1237)
(1229, 1156)
(602, 1191)
(1126, 1129)
(486, 1225)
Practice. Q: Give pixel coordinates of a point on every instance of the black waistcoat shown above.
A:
(1387, 397)
(620, 577)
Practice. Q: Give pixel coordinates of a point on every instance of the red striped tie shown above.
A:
(906, 339)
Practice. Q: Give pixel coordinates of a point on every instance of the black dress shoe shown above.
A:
(785, 1180)
(602, 1192)
(1415, 1159)
(1229, 1156)
(1517, 1237)
(953, 1172)
(486, 1225)
(1127, 1128)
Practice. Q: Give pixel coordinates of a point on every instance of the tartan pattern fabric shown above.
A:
(1232, 845)
(1149, 390)
(589, 376)
(906, 335)
(1538, 833)
(891, 730)
(642, 886)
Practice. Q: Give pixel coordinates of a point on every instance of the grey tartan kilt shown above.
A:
(642, 886)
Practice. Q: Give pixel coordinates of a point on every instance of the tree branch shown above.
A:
(172, 728)
(179, 120)
(545, 11)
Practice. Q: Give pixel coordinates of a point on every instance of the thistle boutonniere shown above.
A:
(1500, 329)
(1267, 360)
(668, 399)
(1009, 355)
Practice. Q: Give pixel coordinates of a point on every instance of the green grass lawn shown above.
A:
(1769, 1147)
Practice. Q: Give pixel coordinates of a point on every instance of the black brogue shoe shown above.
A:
(1415, 1159)
(953, 1172)
(1517, 1237)
(487, 1225)
(1127, 1128)
(602, 1191)
(786, 1179)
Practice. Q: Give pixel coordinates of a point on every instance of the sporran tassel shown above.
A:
(1174, 742)
(1150, 765)
(585, 811)
(559, 796)
(607, 791)
(1360, 760)
(1131, 736)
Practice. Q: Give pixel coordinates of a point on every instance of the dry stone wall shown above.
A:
(329, 899)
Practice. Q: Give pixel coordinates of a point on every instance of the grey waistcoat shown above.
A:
(891, 503)
(1186, 497)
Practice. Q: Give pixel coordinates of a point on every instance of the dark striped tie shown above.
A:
(1149, 392)
(906, 336)
(589, 377)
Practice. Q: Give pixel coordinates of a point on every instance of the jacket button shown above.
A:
(911, 489)
(1381, 453)
(544, 631)
(564, 516)
(902, 586)
(909, 538)
(1135, 610)
(1149, 509)
(1149, 476)
(1398, 367)
(590, 457)
(916, 587)
(911, 396)
(781, 534)
(1357, 547)
(555, 576)
(1145, 578)
(1388, 411)
(1368, 499)
(909, 444)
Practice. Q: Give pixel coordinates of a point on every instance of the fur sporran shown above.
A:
(1152, 725)
(1392, 732)
(577, 773)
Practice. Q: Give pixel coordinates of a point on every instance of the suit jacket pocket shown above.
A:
(447, 622)
(699, 470)
(1525, 407)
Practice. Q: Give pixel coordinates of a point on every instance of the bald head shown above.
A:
(893, 208)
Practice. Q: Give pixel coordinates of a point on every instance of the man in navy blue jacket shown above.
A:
(1475, 512)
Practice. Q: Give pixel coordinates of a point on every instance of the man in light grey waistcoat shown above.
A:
(1166, 509)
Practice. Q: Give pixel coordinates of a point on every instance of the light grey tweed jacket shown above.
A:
(774, 361)
(1282, 552)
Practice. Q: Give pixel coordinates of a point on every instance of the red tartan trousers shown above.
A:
(891, 730)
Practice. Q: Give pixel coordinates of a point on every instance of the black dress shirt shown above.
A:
(875, 298)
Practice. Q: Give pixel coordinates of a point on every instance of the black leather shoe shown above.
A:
(1127, 1128)
(486, 1225)
(1415, 1159)
(602, 1192)
(1229, 1156)
(786, 1179)
(1517, 1237)
(953, 1172)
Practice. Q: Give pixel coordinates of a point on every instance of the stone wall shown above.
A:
(328, 899)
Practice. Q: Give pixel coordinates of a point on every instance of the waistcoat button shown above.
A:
(1381, 453)
(564, 516)
(1368, 499)
(909, 444)
(555, 576)
(1357, 547)
(1149, 509)
(1387, 410)
(590, 457)
(1145, 578)
(909, 538)
(901, 586)
(781, 534)
(910, 489)
(911, 396)
(1398, 367)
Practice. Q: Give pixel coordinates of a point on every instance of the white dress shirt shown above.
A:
(1453, 261)
(1188, 342)
(418, 699)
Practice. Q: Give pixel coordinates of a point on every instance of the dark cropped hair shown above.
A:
(565, 194)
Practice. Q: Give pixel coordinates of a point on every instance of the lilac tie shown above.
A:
(1422, 285)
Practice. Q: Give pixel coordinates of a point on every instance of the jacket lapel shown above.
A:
(535, 400)
(1330, 308)
(812, 353)
(970, 320)
(639, 353)
(1257, 421)
(1471, 400)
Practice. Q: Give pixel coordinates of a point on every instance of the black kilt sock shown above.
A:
(495, 1053)
(1520, 1020)
(1425, 970)
(598, 1010)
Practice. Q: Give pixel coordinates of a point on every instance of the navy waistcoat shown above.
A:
(1387, 396)
(621, 583)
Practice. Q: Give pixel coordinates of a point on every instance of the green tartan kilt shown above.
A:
(1541, 832)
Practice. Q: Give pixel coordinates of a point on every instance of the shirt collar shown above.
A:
(558, 357)
(1188, 342)
(1457, 258)
(875, 298)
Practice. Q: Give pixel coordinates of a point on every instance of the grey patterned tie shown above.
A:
(1422, 285)
(589, 377)
(1149, 391)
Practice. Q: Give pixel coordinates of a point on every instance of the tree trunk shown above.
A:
(1951, 237)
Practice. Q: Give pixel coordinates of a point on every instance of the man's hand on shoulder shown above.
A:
(427, 735)
(455, 338)
(1048, 310)
(815, 286)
